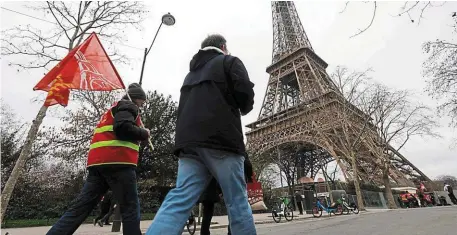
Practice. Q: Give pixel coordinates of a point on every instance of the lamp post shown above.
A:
(168, 20)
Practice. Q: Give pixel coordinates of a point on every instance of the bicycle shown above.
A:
(284, 206)
(348, 207)
(336, 209)
(191, 224)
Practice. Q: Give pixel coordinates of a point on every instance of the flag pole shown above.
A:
(142, 125)
(125, 89)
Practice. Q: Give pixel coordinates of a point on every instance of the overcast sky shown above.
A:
(392, 47)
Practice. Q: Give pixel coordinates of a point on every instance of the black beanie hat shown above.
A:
(136, 92)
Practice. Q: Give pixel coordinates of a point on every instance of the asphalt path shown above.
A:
(417, 221)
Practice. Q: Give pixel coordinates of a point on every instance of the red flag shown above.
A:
(86, 67)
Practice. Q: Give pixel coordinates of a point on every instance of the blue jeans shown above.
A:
(122, 181)
(196, 168)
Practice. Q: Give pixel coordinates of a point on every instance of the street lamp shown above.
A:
(168, 20)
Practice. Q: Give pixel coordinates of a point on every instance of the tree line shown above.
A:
(55, 171)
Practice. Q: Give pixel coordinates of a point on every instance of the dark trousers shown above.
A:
(208, 211)
(103, 212)
(300, 207)
(106, 217)
(122, 181)
(453, 199)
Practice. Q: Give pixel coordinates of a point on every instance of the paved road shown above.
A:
(418, 221)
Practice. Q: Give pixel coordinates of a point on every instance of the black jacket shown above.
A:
(214, 94)
(125, 128)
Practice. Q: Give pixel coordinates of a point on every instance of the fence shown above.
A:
(370, 199)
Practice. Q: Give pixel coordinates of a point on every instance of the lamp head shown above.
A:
(168, 19)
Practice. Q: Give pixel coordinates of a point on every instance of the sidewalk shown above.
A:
(88, 229)
(218, 222)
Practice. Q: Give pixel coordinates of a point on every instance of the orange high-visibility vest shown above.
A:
(105, 148)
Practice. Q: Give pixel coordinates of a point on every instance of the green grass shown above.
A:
(48, 222)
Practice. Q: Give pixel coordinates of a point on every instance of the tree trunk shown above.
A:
(388, 190)
(328, 186)
(358, 191)
(20, 163)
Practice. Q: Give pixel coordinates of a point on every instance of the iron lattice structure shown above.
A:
(304, 118)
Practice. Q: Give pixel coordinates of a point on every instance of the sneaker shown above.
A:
(100, 223)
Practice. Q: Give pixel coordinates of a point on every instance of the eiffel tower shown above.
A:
(301, 100)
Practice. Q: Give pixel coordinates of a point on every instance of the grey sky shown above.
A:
(392, 47)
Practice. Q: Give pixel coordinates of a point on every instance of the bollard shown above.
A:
(117, 220)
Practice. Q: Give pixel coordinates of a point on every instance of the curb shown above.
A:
(220, 226)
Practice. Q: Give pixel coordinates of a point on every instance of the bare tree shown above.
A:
(329, 174)
(388, 119)
(414, 10)
(70, 141)
(450, 179)
(441, 70)
(287, 162)
(260, 163)
(354, 121)
(73, 22)
(70, 24)
(397, 120)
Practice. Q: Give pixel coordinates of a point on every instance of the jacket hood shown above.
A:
(203, 56)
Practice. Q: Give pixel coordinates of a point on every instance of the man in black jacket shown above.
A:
(209, 139)
(111, 163)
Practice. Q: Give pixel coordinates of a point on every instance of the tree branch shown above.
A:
(371, 22)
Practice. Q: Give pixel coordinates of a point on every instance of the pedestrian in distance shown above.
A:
(107, 206)
(209, 139)
(111, 164)
(299, 200)
(212, 195)
(448, 188)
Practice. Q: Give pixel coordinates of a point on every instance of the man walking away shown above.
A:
(111, 163)
(209, 139)
(450, 192)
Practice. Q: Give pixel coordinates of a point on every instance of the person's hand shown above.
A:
(148, 131)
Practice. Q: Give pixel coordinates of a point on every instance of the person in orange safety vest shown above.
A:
(111, 164)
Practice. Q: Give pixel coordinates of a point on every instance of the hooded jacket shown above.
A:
(215, 93)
